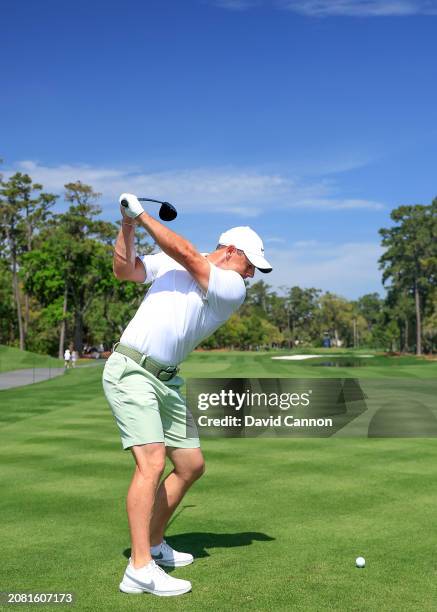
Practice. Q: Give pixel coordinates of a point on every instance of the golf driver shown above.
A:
(167, 212)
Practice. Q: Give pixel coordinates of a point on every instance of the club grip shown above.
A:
(125, 203)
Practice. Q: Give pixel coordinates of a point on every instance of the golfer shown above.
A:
(191, 296)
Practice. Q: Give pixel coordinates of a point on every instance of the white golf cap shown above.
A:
(245, 239)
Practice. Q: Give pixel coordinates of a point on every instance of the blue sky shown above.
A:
(308, 120)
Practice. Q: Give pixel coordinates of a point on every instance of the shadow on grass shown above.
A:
(197, 542)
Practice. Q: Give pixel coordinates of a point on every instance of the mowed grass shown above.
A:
(252, 364)
(12, 358)
(275, 524)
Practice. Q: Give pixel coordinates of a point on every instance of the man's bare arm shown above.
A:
(125, 263)
(178, 248)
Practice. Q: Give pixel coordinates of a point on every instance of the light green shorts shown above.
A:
(146, 409)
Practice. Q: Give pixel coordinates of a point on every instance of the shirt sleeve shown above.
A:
(152, 265)
(226, 291)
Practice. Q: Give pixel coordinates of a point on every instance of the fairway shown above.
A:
(251, 364)
(275, 524)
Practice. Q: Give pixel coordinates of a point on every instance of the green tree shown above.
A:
(117, 302)
(47, 273)
(387, 332)
(7, 307)
(244, 332)
(258, 297)
(336, 316)
(69, 273)
(228, 335)
(430, 326)
(410, 258)
(400, 304)
(370, 306)
(278, 315)
(272, 336)
(87, 249)
(368, 309)
(302, 307)
(72, 261)
(24, 209)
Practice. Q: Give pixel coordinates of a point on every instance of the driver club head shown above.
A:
(167, 212)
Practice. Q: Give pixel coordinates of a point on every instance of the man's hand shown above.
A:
(125, 264)
(125, 217)
(133, 208)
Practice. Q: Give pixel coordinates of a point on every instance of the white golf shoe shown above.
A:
(163, 554)
(152, 579)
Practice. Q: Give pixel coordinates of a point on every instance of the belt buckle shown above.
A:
(170, 374)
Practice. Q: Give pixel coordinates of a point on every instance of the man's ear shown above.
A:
(230, 250)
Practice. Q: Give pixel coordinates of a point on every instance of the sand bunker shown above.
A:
(296, 357)
(300, 357)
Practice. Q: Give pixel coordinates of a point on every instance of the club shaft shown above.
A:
(150, 200)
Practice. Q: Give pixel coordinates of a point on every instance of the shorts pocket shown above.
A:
(114, 368)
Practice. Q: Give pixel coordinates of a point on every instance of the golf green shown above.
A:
(275, 524)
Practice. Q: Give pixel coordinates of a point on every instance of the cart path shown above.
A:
(29, 376)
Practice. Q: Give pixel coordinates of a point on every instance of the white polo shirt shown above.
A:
(176, 315)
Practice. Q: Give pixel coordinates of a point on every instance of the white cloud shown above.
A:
(347, 8)
(359, 8)
(332, 163)
(305, 244)
(343, 204)
(273, 239)
(243, 193)
(349, 269)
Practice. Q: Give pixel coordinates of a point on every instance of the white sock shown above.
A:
(155, 550)
(138, 569)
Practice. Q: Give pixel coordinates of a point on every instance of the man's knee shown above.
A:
(192, 471)
(156, 465)
(199, 469)
(150, 459)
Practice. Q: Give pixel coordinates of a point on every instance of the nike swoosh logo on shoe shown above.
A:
(150, 585)
(160, 556)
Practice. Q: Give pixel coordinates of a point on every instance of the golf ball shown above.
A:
(360, 562)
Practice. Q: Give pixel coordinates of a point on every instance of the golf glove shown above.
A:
(134, 207)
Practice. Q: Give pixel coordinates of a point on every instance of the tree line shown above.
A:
(57, 286)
